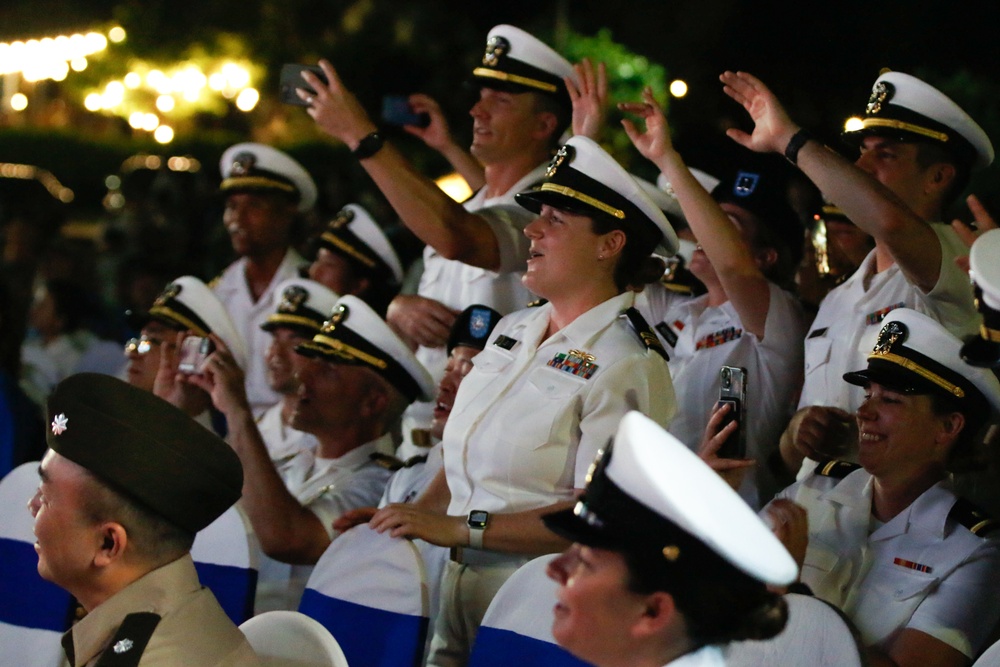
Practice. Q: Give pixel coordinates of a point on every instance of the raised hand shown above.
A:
(589, 95)
(773, 129)
(334, 108)
(653, 143)
(731, 470)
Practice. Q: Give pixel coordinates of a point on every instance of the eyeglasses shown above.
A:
(141, 345)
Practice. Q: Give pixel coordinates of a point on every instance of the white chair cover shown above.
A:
(291, 639)
(370, 592)
(990, 658)
(225, 555)
(816, 634)
(33, 612)
(517, 628)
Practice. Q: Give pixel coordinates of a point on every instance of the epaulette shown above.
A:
(387, 461)
(646, 333)
(415, 460)
(678, 288)
(536, 303)
(130, 641)
(976, 520)
(836, 469)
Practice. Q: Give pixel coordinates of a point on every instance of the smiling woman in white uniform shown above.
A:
(667, 564)
(888, 542)
(548, 390)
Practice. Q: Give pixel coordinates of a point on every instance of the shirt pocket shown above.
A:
(541, 438)
(488, 367)
(887, 599)
(817, 353)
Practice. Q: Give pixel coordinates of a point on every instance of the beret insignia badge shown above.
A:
(496, 47)
(59, 424)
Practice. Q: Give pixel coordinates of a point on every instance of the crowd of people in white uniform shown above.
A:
(466, 412)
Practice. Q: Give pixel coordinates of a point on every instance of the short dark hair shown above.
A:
(636, 266)
(153, 538)
(547, 104)
(964, 453)
(716, 609)
(930, 153)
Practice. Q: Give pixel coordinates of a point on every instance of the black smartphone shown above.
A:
(194, 350)
(291, 78)
(396, 110)
(733, 391)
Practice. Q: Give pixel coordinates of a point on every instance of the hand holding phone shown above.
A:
(193, 353)
(396, 110)
(291, 78)
(733, 391)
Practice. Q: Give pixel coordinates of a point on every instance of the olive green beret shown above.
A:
(144, 448)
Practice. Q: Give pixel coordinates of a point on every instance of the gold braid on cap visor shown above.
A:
(349, 351)
(349, 249)
(586, 199)
(285, 318)
(513, 78)
(914, 367)
(256, 182)
(172, 314)
(900, 125)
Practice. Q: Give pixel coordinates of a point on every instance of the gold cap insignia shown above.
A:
(292, 298)
(344, 218)
(496, 47)
(881, 92)
(892, 333)
(170, 292)
(339, 315)
(562, 155)
(671, 553)
(242, 164)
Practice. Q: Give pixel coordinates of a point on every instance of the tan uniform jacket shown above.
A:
(191, 629)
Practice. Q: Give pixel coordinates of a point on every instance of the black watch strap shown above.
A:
(368, 146)
(795, 144)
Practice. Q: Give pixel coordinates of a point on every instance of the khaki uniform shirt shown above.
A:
(192, 628)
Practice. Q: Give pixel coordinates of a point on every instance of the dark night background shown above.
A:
(821, 58)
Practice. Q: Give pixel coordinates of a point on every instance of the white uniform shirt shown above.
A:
(706, 656)
(850, 317)
(459, 285)
(522, 434)
(328, 488)
(247, 315)
(701, 339)
(922, 569)
(282, 442)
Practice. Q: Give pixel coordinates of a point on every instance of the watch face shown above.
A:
(478, 518)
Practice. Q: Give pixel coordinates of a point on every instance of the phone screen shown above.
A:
(396, 110)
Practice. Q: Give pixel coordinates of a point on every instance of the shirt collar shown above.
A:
(158, 592)
(581, 331)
